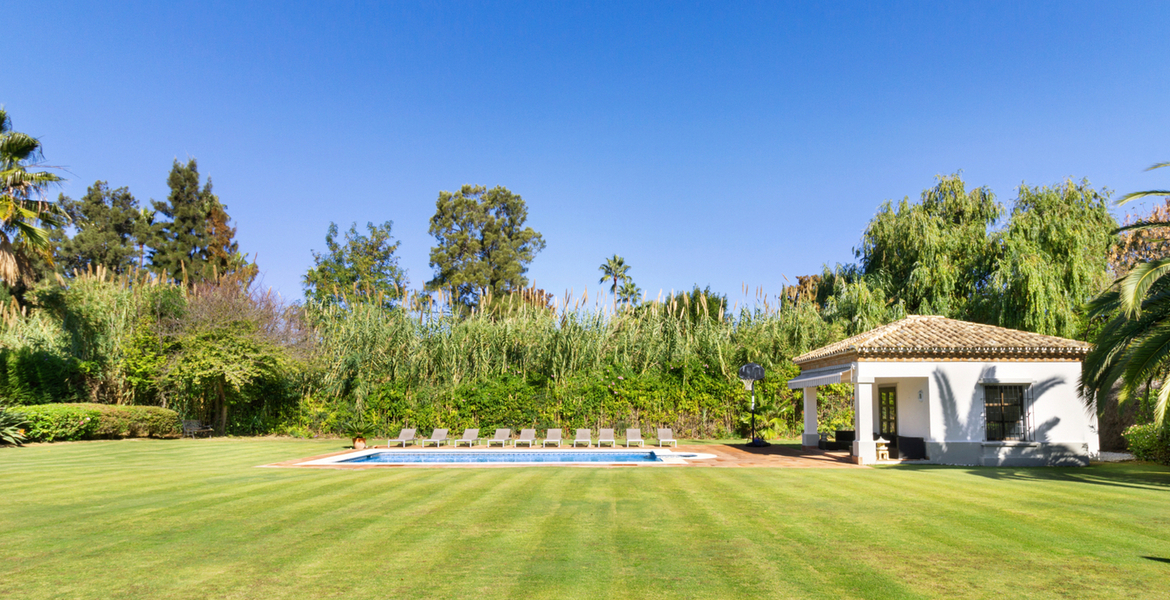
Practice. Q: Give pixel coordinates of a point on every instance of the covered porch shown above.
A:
(890, 411)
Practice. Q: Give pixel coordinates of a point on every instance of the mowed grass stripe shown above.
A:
(194, 519)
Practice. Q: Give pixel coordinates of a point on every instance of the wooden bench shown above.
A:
(194, 428)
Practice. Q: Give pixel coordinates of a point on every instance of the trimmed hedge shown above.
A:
(69, 422)
(1149, 442)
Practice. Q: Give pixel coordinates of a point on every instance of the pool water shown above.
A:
(502, 457)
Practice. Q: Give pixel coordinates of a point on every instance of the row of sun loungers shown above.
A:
(528, 436)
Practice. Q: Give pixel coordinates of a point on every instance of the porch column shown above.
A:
(864, 448)
(811, 440)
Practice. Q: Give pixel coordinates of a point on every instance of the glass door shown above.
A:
(888, 413)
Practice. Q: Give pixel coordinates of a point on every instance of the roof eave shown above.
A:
(988, 352)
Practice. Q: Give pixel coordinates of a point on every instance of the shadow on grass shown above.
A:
(1157, 559)
(1143, 476)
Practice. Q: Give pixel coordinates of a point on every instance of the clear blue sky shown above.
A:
(711, 143)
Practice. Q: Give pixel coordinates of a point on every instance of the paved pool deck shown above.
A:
(725, 455)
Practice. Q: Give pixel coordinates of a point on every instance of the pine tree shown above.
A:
(197, 242)
(180, 243)
(107, 222)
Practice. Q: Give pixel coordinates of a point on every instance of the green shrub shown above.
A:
(1149, 442)
(68, 422)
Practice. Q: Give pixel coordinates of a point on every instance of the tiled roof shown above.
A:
(929, 336)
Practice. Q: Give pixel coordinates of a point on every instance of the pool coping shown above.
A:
(714, 455)
(668, 456)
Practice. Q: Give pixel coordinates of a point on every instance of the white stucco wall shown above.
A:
(952, 411)
(913, 415)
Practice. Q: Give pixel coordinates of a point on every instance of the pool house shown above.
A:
(951, 392)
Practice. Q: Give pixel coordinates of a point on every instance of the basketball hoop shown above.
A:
(749, 374)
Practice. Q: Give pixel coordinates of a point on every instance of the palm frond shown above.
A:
(1135, 195)
(1135, 286)
(1142, 225)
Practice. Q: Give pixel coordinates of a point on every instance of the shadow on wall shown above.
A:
(953, 425)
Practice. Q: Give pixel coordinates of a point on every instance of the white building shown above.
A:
(960, 393)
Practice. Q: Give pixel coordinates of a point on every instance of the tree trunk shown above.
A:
(223, 407)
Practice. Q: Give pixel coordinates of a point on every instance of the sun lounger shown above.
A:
(664, 435)
(606, 436)
(583, 435)
(471, 436)
(554, 436)
(437, 438)
(634, 435)
(501, 437)
(406, 435)
(527, 436)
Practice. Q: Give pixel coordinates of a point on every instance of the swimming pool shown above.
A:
(471, 456)
(506, 456)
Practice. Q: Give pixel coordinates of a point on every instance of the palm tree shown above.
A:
(1133, 347)
(614, 269)
(629, 292)
(23, 208)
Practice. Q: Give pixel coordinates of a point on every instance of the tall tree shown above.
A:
(224, 258)
(197, 242)
(483, 246)
(24, 212)
(934, 254)
(1052, 258)
(945, 255)
(108, 227)
(364, 266)
(180, 243)
(1133, 346)
(614, 270)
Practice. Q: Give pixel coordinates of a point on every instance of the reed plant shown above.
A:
(518, 362)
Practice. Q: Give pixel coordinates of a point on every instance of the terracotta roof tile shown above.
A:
(927, 336)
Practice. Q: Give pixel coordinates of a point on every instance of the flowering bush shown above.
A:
(1149, 442)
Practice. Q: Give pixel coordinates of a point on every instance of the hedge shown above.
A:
(1149, 442)
(68, 422)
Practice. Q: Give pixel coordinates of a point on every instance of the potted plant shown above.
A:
(359, 429)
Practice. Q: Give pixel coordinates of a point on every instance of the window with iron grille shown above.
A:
(1006, 407)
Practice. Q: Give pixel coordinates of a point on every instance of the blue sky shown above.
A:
(712, 143)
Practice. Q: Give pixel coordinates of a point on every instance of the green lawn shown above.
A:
(195, 519)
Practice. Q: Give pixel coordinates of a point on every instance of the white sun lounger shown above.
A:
(437, 438)
(501, 437)
(471, 436)
(606, 436)
(583, 435)
(664, 435)
(634, 435)
(554, 436)
(406, 435)
(527, 436)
